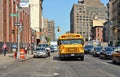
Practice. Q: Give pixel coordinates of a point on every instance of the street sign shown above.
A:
(24, 3)
(18, 24)
(14, 15)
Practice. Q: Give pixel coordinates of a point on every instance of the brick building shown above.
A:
(8, 30)
(97, 30)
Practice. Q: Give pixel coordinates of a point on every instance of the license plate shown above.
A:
(72, 54)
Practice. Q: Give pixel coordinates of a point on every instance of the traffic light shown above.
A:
(58, 30)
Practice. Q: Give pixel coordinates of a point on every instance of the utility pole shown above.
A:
(19, 29)
(108, 6)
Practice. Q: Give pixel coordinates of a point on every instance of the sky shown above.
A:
(59, 11)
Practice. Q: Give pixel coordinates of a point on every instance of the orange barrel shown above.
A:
(22, 53)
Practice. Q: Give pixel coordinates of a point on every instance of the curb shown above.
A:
(23, 60)
(26, 58)
(16, 60)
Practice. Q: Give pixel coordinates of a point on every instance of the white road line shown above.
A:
(56, 74)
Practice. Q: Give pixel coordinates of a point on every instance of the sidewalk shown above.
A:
(8, 59)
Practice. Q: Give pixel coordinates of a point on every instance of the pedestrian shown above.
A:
(4, 48)
(48, 50)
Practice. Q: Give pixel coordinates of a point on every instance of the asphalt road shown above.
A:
(53, 67)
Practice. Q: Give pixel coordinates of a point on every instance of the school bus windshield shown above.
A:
(72, 41)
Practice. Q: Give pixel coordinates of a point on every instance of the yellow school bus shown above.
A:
(71, 45)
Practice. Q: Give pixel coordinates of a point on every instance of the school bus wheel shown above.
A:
(82, 58)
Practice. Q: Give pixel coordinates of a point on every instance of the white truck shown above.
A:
(53, 46)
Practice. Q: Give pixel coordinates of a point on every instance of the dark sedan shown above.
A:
(88, 48)
(97, 51)
(106, 53)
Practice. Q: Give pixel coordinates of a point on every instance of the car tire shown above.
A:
(82, 58)
(113, 61)
(100, 57)
(34, 56)
(61, 58)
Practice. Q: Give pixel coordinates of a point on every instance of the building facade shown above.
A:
(83, 13)
(36, 17)
(8, 19)
(48, 29)
(97, 30)
(115, 18)
(45, 27)
(51, 30)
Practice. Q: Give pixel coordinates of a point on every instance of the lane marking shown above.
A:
(56, 74)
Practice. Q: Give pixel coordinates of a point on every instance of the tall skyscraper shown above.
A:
(51, 30)
(83, 13)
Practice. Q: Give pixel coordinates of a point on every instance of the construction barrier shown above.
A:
(22, 53)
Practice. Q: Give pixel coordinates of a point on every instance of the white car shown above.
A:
(40, 52)
(53, 48)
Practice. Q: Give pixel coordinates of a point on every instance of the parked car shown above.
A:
(117, 44)
(106, 53)
(88, 48)
(40, 52)
(116, 55)
(97, 50)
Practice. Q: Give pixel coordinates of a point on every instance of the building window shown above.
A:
(98, 30)
(83, 32)
(98, 34)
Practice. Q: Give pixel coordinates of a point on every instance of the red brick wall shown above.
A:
(8, 31)
(1, 20)
(99, 33)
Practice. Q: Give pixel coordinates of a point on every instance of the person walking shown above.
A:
(4, 48)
